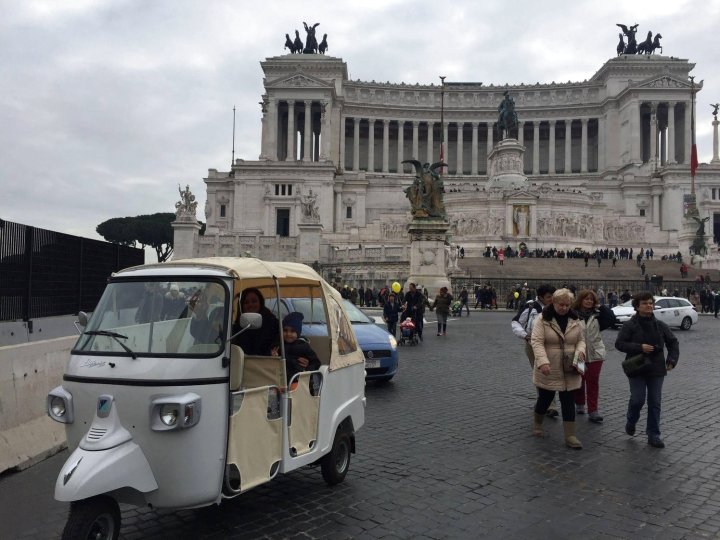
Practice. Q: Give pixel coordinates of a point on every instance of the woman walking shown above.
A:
(644, 334)
(441, 305)
(596, 318)
(558, 336)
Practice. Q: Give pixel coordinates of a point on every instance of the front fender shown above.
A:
(89, 473)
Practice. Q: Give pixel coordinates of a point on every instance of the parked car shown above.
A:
(378, 345)
(671, 310)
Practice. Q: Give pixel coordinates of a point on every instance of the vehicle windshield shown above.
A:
(355, 315)
(157, 318)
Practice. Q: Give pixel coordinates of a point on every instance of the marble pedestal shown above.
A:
(186, 232)
(309, 242)
(427, 254)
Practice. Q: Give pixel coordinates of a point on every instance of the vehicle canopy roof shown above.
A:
(295, 280)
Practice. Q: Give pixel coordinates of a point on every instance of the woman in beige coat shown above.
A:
(557, 332)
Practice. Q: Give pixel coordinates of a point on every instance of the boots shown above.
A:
(571, 440)
(537, 429)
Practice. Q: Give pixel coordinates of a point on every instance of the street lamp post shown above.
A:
(442, 121)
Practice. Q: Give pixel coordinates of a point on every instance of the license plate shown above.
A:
(372, 363)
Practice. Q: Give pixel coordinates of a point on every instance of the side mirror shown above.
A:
(248, 321)
(81, 322)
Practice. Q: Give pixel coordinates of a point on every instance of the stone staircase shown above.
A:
(573, 269)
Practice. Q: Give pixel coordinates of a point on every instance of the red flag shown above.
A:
(693, 160)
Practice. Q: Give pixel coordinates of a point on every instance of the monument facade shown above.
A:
(600, 163)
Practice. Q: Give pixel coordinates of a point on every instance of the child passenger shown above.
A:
(299, 356)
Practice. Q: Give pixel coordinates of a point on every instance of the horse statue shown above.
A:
(289, 44)
(656, 43)
(646, 46)
(631, 47)
(621, 45)
(507, 117)
(323, 45)
(298, 43)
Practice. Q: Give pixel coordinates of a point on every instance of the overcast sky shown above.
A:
(107, 105)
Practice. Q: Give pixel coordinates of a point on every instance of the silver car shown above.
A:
(672, 310)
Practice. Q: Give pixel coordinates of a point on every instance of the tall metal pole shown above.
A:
(232, 162)
(692, 134)
(442, 120)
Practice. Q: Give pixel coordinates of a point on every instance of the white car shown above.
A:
(672, 310)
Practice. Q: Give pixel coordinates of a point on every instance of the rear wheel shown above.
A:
(686, 323)
(97, 518)
(336, 463)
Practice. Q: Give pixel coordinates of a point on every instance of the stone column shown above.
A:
(568, 146)
(356, 144)
(551, 148)
(602, 147)
(324, 136)
(270, 125)
(521, 132)
(715, 158)
(536, 147)
(656, 208)
(663, 146)
(371, 145)
(459, 166)
(584, 146)
(489, 137)
(474, 150)
(446, 148)
(688, 135)
(635, 129)
(291, 131)
(386, 146)
(341, 156)
(401, 146)
(671, 133)
(430, 142)
(416, 128)
(653, 135)
(307, 132)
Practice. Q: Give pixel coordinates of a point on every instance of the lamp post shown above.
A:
(442, 121)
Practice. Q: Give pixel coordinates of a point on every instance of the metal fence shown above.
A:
(46, 273)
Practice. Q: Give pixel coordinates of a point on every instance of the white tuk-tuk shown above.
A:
(162, 409)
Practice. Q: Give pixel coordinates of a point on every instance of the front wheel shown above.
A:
(686, 323)
(336, 463)
(97, 518)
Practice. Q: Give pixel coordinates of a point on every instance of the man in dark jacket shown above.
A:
(414, 305)
(644, 334)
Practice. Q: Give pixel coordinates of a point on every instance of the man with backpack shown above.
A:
(522, 325)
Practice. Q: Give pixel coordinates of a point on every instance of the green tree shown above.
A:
(152, 230)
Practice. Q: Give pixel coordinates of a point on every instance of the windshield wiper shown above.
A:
(116, 337)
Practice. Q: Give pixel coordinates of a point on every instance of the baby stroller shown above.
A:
(456, 308)
(407, 333)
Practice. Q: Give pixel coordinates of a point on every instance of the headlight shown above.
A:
(169, 414)
(57, 406)
(175, 412)
(60, 406)
(393, 342)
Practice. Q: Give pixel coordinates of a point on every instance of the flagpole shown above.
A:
(693, 211)
(442, 121)
(232, 162)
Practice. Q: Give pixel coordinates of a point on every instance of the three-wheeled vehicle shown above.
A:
(163, 409)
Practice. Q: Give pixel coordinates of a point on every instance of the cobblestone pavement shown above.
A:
(447, 453)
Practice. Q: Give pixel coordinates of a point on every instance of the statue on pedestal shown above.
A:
(309, 207)
(698, 246)
(187, 205)
(715, 107)
(426, 192)
(507, 117)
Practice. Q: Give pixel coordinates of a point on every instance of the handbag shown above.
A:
(636, 365)
(567, 359)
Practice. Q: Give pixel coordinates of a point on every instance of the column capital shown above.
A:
(521, 122)
(386, 122)
(552, 122)
(671, 104)
(584, 121)
(415, 123)
(308, 102)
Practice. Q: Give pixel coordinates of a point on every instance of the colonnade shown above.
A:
(665, 128)
(570, 152)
